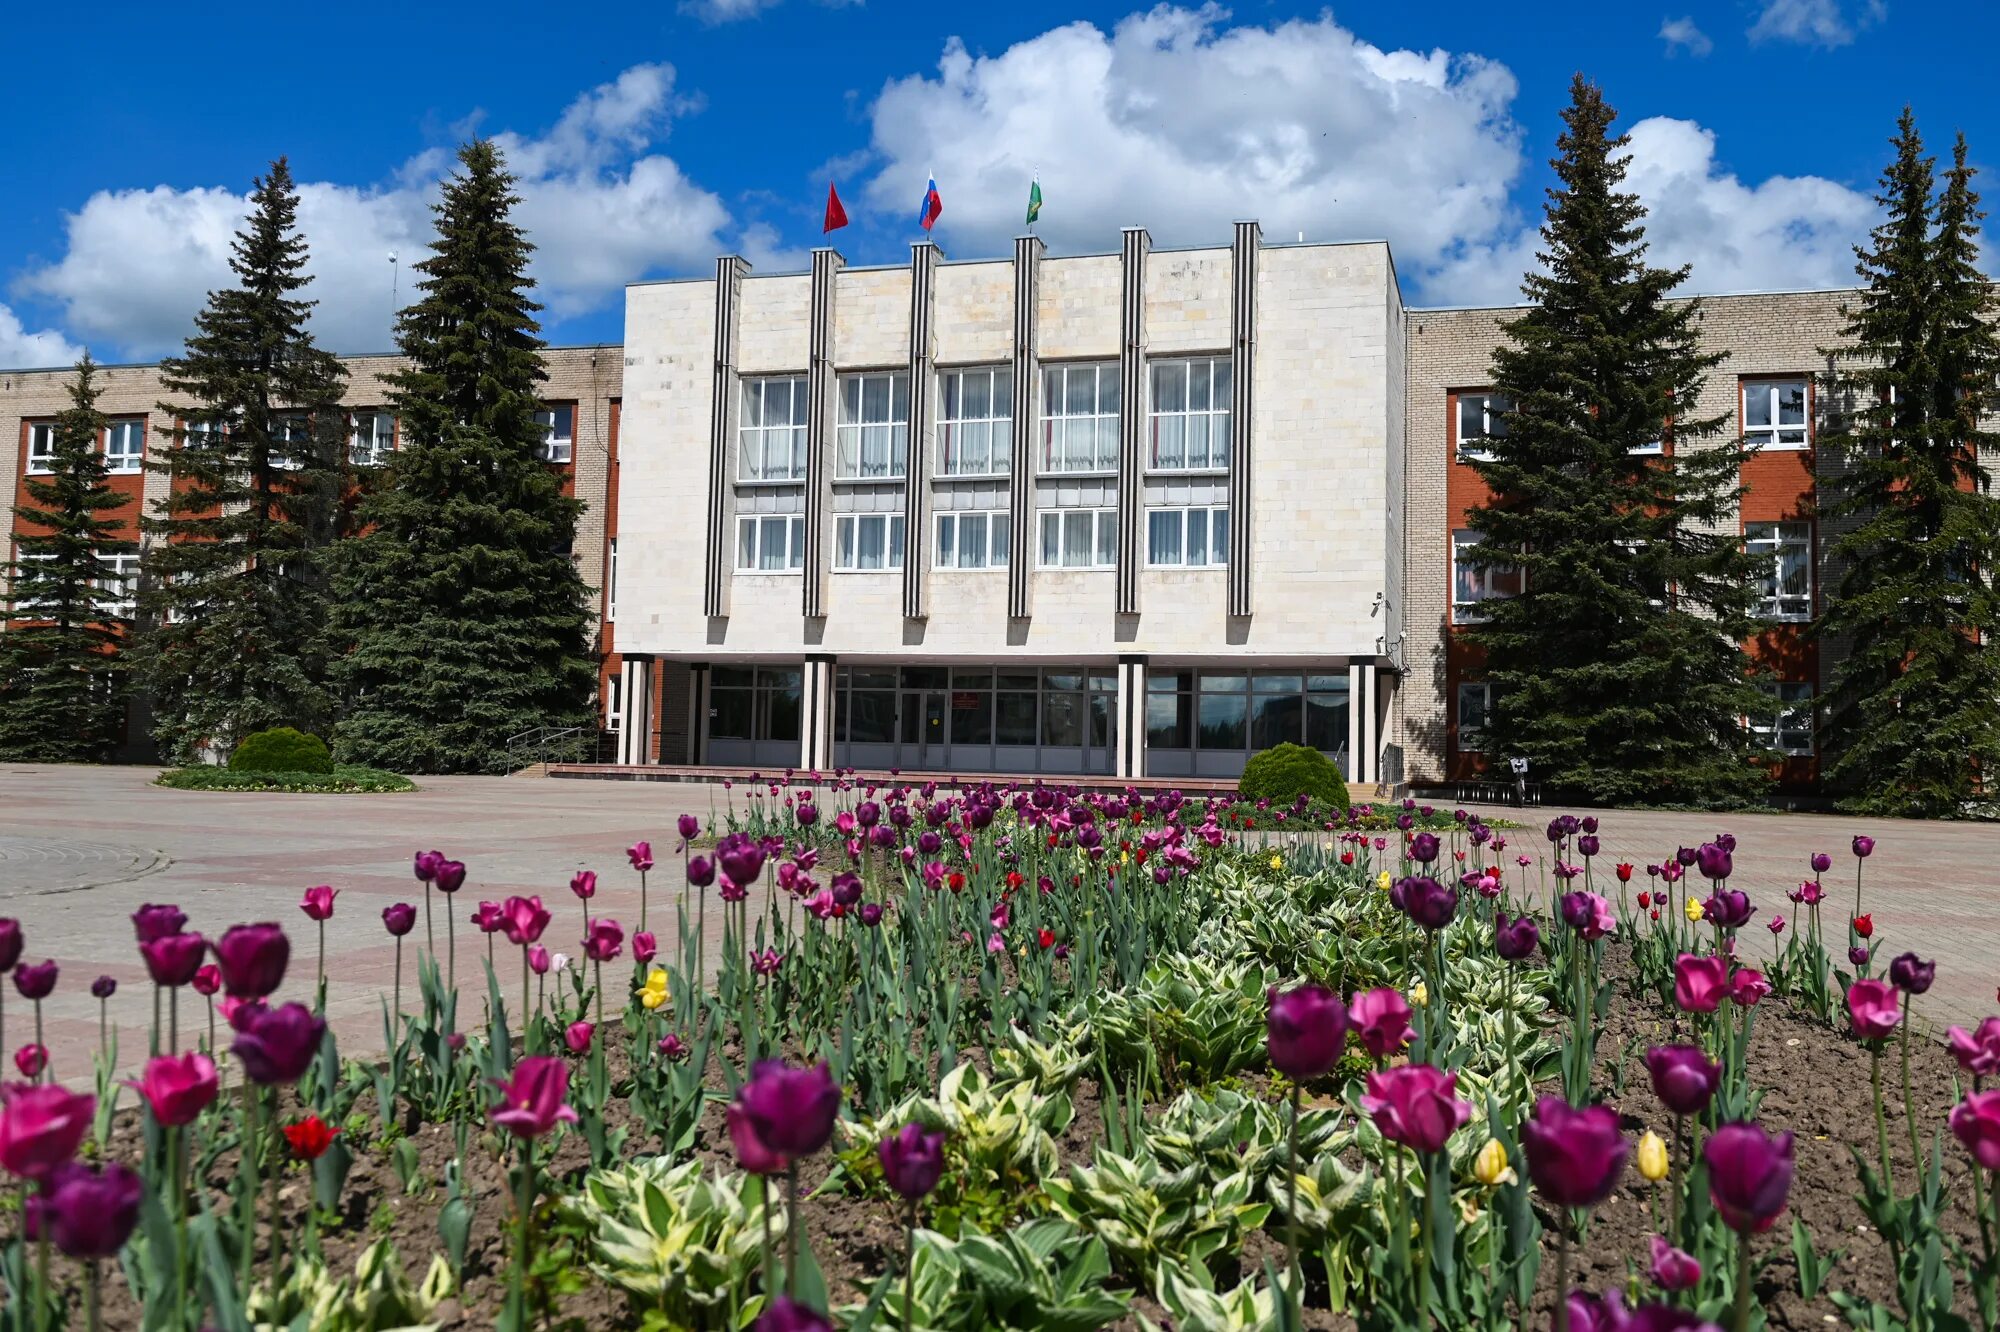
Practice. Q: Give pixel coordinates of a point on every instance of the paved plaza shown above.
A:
(81, 847)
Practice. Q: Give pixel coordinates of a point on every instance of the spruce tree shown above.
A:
(1617, 670)
(1913, 724)
(61, 693)
(464, 616)
(236, 599)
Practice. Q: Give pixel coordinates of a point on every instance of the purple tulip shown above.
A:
(1672, 1270)
(1684, 1078)
(752, 1153)
(450, 876)
(689, 827)
(604, 941)
(1587, 845)
(1911, 974)
(1306, 1030)
(11, 940)
(871, 914)
(1864, 847)
(792, 1110)
(1729, 908)
(806, 813)
(35, 982)
(88, 1212)
(425, 865)
(399, 919)
(1749, 1176)
(104, 987)
(1515, 939)
(173, 960)
(1714, 861)
(253, 959)
(701, 871)
(1430, 903)
(1574, 1156)
(644, 947)
(155, 920)
(785, 1314)
(277, 1045)
(1859, 955)
(912, 1160)
(1686, 857)
(1821, 862)
(1424, 848)
(524, 919)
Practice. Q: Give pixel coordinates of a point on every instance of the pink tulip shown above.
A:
(1872, 1009)
(1747, 987)
(533, 1102)
(577, 1037)
(1977, 1051)
(1700, 983)
(178, 1087)
(318, 902)
(1381, 1018)
(1975, 1122)
(1415, 1105)
(41, 1128)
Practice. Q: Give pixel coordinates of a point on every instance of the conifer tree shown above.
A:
(1913, 723)
(61, 684)
(1617, 669)
(464, 616)
(236, 600)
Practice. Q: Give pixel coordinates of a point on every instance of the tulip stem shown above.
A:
(450, 951)
(527, 1201)
(1562, 1271)
(319, 984)
(1680, 1180)
(174, 1020)
(430, 935)
(399, 983)
(1295, 1265)
(42, 1280)
(177, 1172)
(43, 1075)
(791, 1230)
(526, 1027)
(642, 901)
(1881, 1121)
(910, 1268)
(93, 1312)
(1909, 1107)
(1742, 1320)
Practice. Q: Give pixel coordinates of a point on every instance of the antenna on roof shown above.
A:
(394, 273)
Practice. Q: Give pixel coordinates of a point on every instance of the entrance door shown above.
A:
(922, 737)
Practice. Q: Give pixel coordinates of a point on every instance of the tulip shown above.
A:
(644, 947)
(41, 1128)
(1574, 1156)
(1429, 903)
(640, 854)
(1672, 1270)
(689, 826)
(177, 1088)
(153, 920)
(1821, 862)
(31, 1059)
(1911, 974)
(604, 941)
(399, 919)
(1515, 939)
(35, 982)
(1381, 1019)
(1975, 1122)
(1424, 848)
(1872, 1009)
(252, 959)
(1714, 861)
(524, 919)
(532, 1100)
(1415, 1105)
(653, 994)
(577, 1037)
(450, 876)
(1700, 983)
(318, 902)
(89, 1213)
(1749, 1176)
(1692, 910)
(912, 1161)
(785, 1314)
(207, 980)
(1651, 1157)
(538, 959)
(1490, 1167)
(792, 1109)
(1863, 847)
(1977, 1051)
(489, 918)
(277, 1045)
(1306, 1030)
(309, 1137)
(425, 864)
(751, 1152)
(583, 883)
(172, 960)
(1747, 987)
(673, 1047)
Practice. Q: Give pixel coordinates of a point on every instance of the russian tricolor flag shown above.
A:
(933, 204)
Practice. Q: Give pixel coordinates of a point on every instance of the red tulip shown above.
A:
(1864, 926)
(309, 1137)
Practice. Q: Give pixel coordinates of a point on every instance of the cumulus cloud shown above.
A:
(1682, 34)
(1813, 22)
(600, 204)
(1174, 121)
(21, 349)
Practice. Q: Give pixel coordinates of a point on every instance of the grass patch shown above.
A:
(345, 779)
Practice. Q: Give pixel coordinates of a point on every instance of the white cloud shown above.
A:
(1682, 34)
(1177, 122)
(1813, 22)
(20, 349)
(600, 205)
(725, 11)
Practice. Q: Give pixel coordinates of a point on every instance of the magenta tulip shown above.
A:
(533, 1099)
(604, 941)
(1574, 1156)
(1975, 1122)
(277, 1045)
(399, 918)
(784, 1314)
(577, 1037)
(318, 902)
(912, 1160)
(178, 1087)
(1381, 1018)
(11, 941)
(1700, 983)
(644, 947)
(1748, 987)
(1683, 1077)
(88, 1212)
(41, 1128)
(583, 884)
(1749, 1176)
(1415, 1105)
(1873, 1009)
(1977, 1051)
(640, 854)
(35, 982)
(155, 920)
(524, 919)
(253, 959)
(173, 960)
(1672, 1270)
(450, 876)
(791, 1109)
(752, 1153)
(1306, 1030)
(425, 865)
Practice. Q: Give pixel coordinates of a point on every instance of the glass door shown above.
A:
(921, 735)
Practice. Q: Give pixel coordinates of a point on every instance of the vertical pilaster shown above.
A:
(635, 688)
(820, 403)
(697, 742)
(1023, 540)
(1364, 741)
(1131, 717)
(917, 471)
(1131, 415)
(721, 557)
(816, 714)
(1243, 384)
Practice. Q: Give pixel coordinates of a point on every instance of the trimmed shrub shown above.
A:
(1282, 773)
(281, 749)
(343, 780)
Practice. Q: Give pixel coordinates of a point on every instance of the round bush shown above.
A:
(1284, 772)
(281, 749)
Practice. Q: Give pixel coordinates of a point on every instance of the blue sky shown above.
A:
(651, 138)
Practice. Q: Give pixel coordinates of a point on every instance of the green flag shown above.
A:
(1034, 201)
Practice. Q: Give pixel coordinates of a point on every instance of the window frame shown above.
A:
(1471, 739)
(289, 429)
(1101, 517)
(1218, 419)
(1463, 608)
(856, 430)
(996, 521)
(1218, 527)
(123, 464)
(999, 422)
(795, 542)
(611, 580)
(554, 448)
(127, 562)
(1461, 450)
(377, 450)
(895, 543)
(1769, 729)
(1770, 385)
(793, 431)
(47, 455)
(1104, 373)
(613, 701)
(1757, 546)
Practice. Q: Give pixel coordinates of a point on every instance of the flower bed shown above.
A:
(344, 779)
(1028, 1062)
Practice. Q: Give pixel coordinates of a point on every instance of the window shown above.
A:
(611, 580)
(41, 445)
(975, 422)
(1079, 538)
(1190, 538)
(1482, 417)
(771, 431)
(25, 604)
(872, 439)
(1470, 586)
(972, 540)
(291, 438)
(125, 444)
(614, 702)
(865, 541)
(1774, 413)
(1788, 726)
(1781, 555)
(122, 582)
(1190, 423)
(770, 543)
(371, 436)
(1475, 704)
(754, 703)
(558, 423)
(1080, 418)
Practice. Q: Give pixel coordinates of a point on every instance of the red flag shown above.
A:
(836, 216)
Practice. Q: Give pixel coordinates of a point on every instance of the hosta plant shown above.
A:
(1047, 1067)
(1226, 1131)
(1191, 1297)
(1193, 1019)
(1041, 1276)
(377, 1298)
(1146, 1212)
(683, 1243)
(1343, 1217)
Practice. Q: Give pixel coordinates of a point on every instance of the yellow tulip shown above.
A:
(1382, 881)
(1490, 1166)
(1693, 909)
(1420, 996)
(1652, 1157)
(653, 994)
(1277, 861)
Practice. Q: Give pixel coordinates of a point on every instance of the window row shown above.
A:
(982, 539)
(122, 441)
(120, 579)
(1237, 710)
(934, 705)
(1786, 728)
(1188, 421)
(1776, 414)
(1781, 556)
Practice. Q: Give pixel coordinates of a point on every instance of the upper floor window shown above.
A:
(1788, 726)
(611, 580)
(868, 541)
(771, 430)
(1471, 584)
(1482, 418)
(1190, 422)
(121, 580)
(125, 444)
(41, 445)
(371, 437)
(291, 438)
(1781, 555)
(975, 421)
(24, 603)
(558, 423)
(972, 540)
(1187, 538)
(1774, 413)
(872, 439)
(770, 543)
(1080, 418)
(1079, 538)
